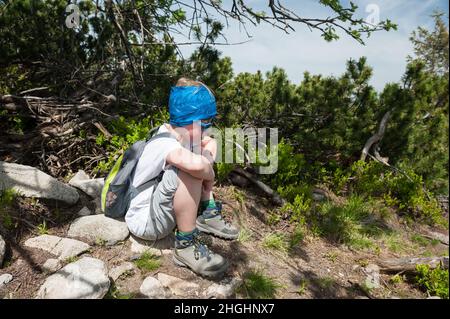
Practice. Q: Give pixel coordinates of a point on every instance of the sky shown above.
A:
(304, 50)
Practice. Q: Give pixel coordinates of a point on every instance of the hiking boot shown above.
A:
(199, 258)
(212, 222)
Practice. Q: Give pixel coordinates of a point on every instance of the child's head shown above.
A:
(192, 106)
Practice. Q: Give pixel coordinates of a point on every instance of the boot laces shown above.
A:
(200, 248)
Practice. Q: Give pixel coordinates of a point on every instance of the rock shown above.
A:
(118, 271)
(140, 246)
(373, 276)
(178, 286)
(63, 248)
(226, 289)
(84, 212)
(434, 297)
(51, 265)
(92, 187)
(152, 288)
(438, 236)
(31, 182)
(2, 250)
(84, 279)
(97, 205)
(79, 177)
(99, 228)
(4, 279)
(318, 197)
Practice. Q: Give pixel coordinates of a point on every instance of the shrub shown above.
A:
(434, 281)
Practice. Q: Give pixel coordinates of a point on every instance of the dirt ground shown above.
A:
(315, 268)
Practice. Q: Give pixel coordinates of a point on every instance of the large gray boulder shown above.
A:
(99, 228)
(31, 182)
(2, 250)
(63, 248)
(86, 278)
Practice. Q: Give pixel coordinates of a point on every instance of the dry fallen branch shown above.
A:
(408, 264)
(275, 197)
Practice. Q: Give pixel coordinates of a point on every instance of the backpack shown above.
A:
(118, 190)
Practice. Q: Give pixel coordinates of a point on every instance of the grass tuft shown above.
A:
(276, 241)
(256, 285)
(148, 262)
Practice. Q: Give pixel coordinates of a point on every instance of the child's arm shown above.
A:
(198, 166)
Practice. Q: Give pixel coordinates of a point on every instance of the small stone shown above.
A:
(86, 278)
(152, 288)
(5, 278)
(434, 297)
(140, 246)
(92, 187)
(373, 276)
(118, 271)
(78, 177)
(2, 250)
(51, 265)
(224, 290)
(178, 286)
(99, 228)
(84, 212)
(62, 247)
(318, 197)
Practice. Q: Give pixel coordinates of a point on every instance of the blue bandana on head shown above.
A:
(191, 103)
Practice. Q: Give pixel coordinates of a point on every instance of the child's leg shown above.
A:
(186, 200)
(188, 252)
(207, 193)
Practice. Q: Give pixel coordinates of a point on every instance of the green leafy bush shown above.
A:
(404, 190)
(434, 281)
(125, 132)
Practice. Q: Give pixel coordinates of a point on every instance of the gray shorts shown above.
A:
(162, 217)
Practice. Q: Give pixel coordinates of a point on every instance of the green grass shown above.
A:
(276, 241)
(422, 241)
(7, 198)
(42, 228)
(347, 223)
(148, 262)
(302, 287)
(114, 293)
(244, 235)
(332, 256)
(396, 279)
(256, 285)
(396, 244)
(296, 237)
(100, 242)
(71, 259)
(325, 283)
